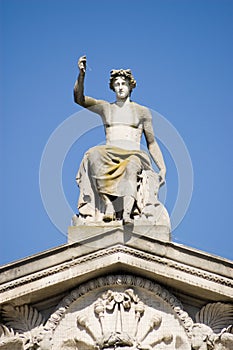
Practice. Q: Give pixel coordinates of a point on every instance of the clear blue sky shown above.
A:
(181, 54)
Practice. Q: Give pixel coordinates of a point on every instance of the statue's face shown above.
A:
(197, 339)
(121, 87)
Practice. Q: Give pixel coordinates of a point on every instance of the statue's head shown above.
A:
(202, 337)
(125, 74)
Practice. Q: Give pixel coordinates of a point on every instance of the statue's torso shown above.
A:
(123, 126)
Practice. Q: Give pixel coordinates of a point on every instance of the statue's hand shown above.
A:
(162, 175)
(82, 62)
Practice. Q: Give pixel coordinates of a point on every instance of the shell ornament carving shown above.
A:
(24, 329)
(217, 316)
(213, 328)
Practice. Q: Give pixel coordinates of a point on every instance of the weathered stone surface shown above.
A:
(116, 180)
(114, 232)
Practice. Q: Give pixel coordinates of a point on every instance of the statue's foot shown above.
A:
(127, 219)
(108, 217)
(128, 222)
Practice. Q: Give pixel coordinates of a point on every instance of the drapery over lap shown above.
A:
(109, 170)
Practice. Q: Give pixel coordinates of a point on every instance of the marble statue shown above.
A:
(116, 180)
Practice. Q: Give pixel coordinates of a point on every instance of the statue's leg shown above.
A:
(109, 214)
(128, 207)
(132, 170)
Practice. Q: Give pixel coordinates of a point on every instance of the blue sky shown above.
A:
(181, 54)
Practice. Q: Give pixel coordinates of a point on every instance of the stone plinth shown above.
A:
(113, 233)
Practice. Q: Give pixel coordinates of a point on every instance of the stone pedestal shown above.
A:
(113, 233)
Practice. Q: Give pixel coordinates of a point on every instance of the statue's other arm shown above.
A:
(153, 146)
(79, 97)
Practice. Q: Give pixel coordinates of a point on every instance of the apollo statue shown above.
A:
(116, 180)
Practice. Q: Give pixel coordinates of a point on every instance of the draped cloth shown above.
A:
(109, 170)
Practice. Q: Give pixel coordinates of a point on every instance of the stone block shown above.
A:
(114, 233)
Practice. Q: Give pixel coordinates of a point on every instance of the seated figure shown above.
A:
(116, 180)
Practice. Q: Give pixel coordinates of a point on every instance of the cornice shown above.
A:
(118, 249)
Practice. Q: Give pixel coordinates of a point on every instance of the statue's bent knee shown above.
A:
(134, 164)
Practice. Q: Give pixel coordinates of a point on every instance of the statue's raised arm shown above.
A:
(79, 97)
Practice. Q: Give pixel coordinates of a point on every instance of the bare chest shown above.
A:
(123, 115)
(124, 127)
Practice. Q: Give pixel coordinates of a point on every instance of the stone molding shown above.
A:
(111, 251)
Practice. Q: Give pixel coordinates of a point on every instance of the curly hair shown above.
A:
(125, 73)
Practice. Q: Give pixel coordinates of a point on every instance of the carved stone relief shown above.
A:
(216, 316)
(120, 312)
(115, 320)
(23, 329)
(213, 327)
(8, 339)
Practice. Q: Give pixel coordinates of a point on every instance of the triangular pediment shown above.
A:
(115, 290)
